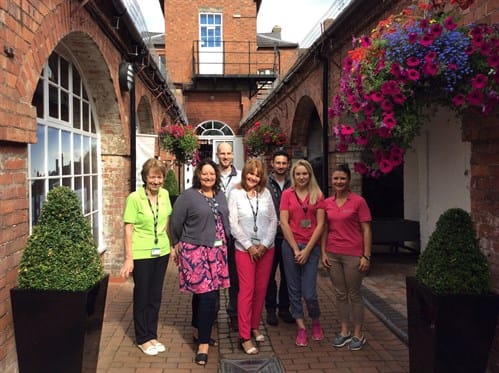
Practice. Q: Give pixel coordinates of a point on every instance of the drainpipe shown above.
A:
(325, 125)
(133, 141)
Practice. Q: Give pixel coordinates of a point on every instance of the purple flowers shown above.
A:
(407, 63)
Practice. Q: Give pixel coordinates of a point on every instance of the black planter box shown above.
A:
(449, 333)
(58, 331)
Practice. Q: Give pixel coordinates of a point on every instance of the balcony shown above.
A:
(233, 64)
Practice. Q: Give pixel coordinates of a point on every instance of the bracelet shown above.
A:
(366, 257)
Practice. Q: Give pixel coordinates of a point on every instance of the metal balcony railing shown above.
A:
(233, 58)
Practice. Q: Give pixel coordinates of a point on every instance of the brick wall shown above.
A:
(221, 106)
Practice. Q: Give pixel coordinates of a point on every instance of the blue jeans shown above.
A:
(302, 281)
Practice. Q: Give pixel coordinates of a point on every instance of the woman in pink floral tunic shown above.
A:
(199, 229)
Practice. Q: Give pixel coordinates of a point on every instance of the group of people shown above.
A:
(233, 229)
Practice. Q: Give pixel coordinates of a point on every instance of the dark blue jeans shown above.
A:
(273, 290)
(302, 281)
(148, 277)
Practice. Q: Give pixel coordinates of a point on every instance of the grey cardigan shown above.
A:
(192, 220)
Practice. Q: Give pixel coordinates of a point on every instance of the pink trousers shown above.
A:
(253, 280)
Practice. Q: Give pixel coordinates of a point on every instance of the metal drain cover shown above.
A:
(267, 365)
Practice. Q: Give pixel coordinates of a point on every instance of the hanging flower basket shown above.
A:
(264, 139)
(181, 141)
(409, 62)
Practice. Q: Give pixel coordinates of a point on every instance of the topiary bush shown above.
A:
(61, 253)
(452, 262)
(171, 184)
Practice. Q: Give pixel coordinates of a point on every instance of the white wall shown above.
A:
(437, 172)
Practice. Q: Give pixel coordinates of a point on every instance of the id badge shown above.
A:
(218, 243)
(155, 251)
(255, 241)
(305, 223)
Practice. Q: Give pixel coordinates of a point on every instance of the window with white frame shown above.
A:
(66, 152)
(210, 30)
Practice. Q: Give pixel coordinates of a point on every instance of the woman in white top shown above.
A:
(253, 223)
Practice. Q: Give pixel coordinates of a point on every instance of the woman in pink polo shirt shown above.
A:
(302, 222)
(346, 251)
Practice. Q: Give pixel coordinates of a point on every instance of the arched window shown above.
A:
(214, 128)
(67, 151)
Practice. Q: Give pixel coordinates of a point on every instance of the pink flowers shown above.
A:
(264, 138)
(180, 140)
(407, 63)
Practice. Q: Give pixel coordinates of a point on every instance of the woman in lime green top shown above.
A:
(147, 251)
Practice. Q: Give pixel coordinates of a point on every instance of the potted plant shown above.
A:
(451, 314)
(408, 63)
(172, 186)
(264, 138)
(181, 141)
(58, 306)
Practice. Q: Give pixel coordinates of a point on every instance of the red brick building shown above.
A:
(66, 120)
(220, 66)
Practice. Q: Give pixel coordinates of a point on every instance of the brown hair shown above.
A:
(150, 164)
(250, 166)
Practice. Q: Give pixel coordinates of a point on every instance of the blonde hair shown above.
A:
(314, 190)
(250, 166)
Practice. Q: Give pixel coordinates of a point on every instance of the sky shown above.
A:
(295, 17)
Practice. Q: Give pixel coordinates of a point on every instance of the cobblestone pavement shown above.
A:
(385, 350)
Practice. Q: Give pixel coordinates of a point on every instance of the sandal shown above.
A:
(201, 358)
(212, 343)
(150, 350)
(248, 348)
(259, 337)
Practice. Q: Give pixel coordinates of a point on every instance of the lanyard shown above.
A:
(255, 213)
(155, 218)
(225, 185)
(213, 205)
(303, 207)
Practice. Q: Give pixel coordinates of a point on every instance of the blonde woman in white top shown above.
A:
(253, 223)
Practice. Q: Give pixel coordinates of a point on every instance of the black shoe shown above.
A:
(272, 318)
(201, 358)
(285, 315)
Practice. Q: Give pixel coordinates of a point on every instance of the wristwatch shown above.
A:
(367, 257)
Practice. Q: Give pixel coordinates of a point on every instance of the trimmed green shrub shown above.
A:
(61, 253)
(171, 184)
(452, 262)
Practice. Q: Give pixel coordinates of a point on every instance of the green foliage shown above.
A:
(452, 262)
(171, 184)
(60, 253)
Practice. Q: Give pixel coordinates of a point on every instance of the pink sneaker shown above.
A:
(301, 338)
(317, 333)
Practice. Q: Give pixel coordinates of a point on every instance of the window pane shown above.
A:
(95, 193)
(64, 106)
(54, 183)
(218, 19)
(78, 188)
(38, 99)
(92, 128)
(37, 198)
(76, 113)
(210, 19)
(86, 155)
(85, 96)
(76, 82)
(87, 202)
(64, 73)
(66, 181)
(203, 19)
(94, 155)
(53, 160)
(37, 154)
(66, 152)
(53, 71)
(85, 120)
(53, 102)
(77, 154)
